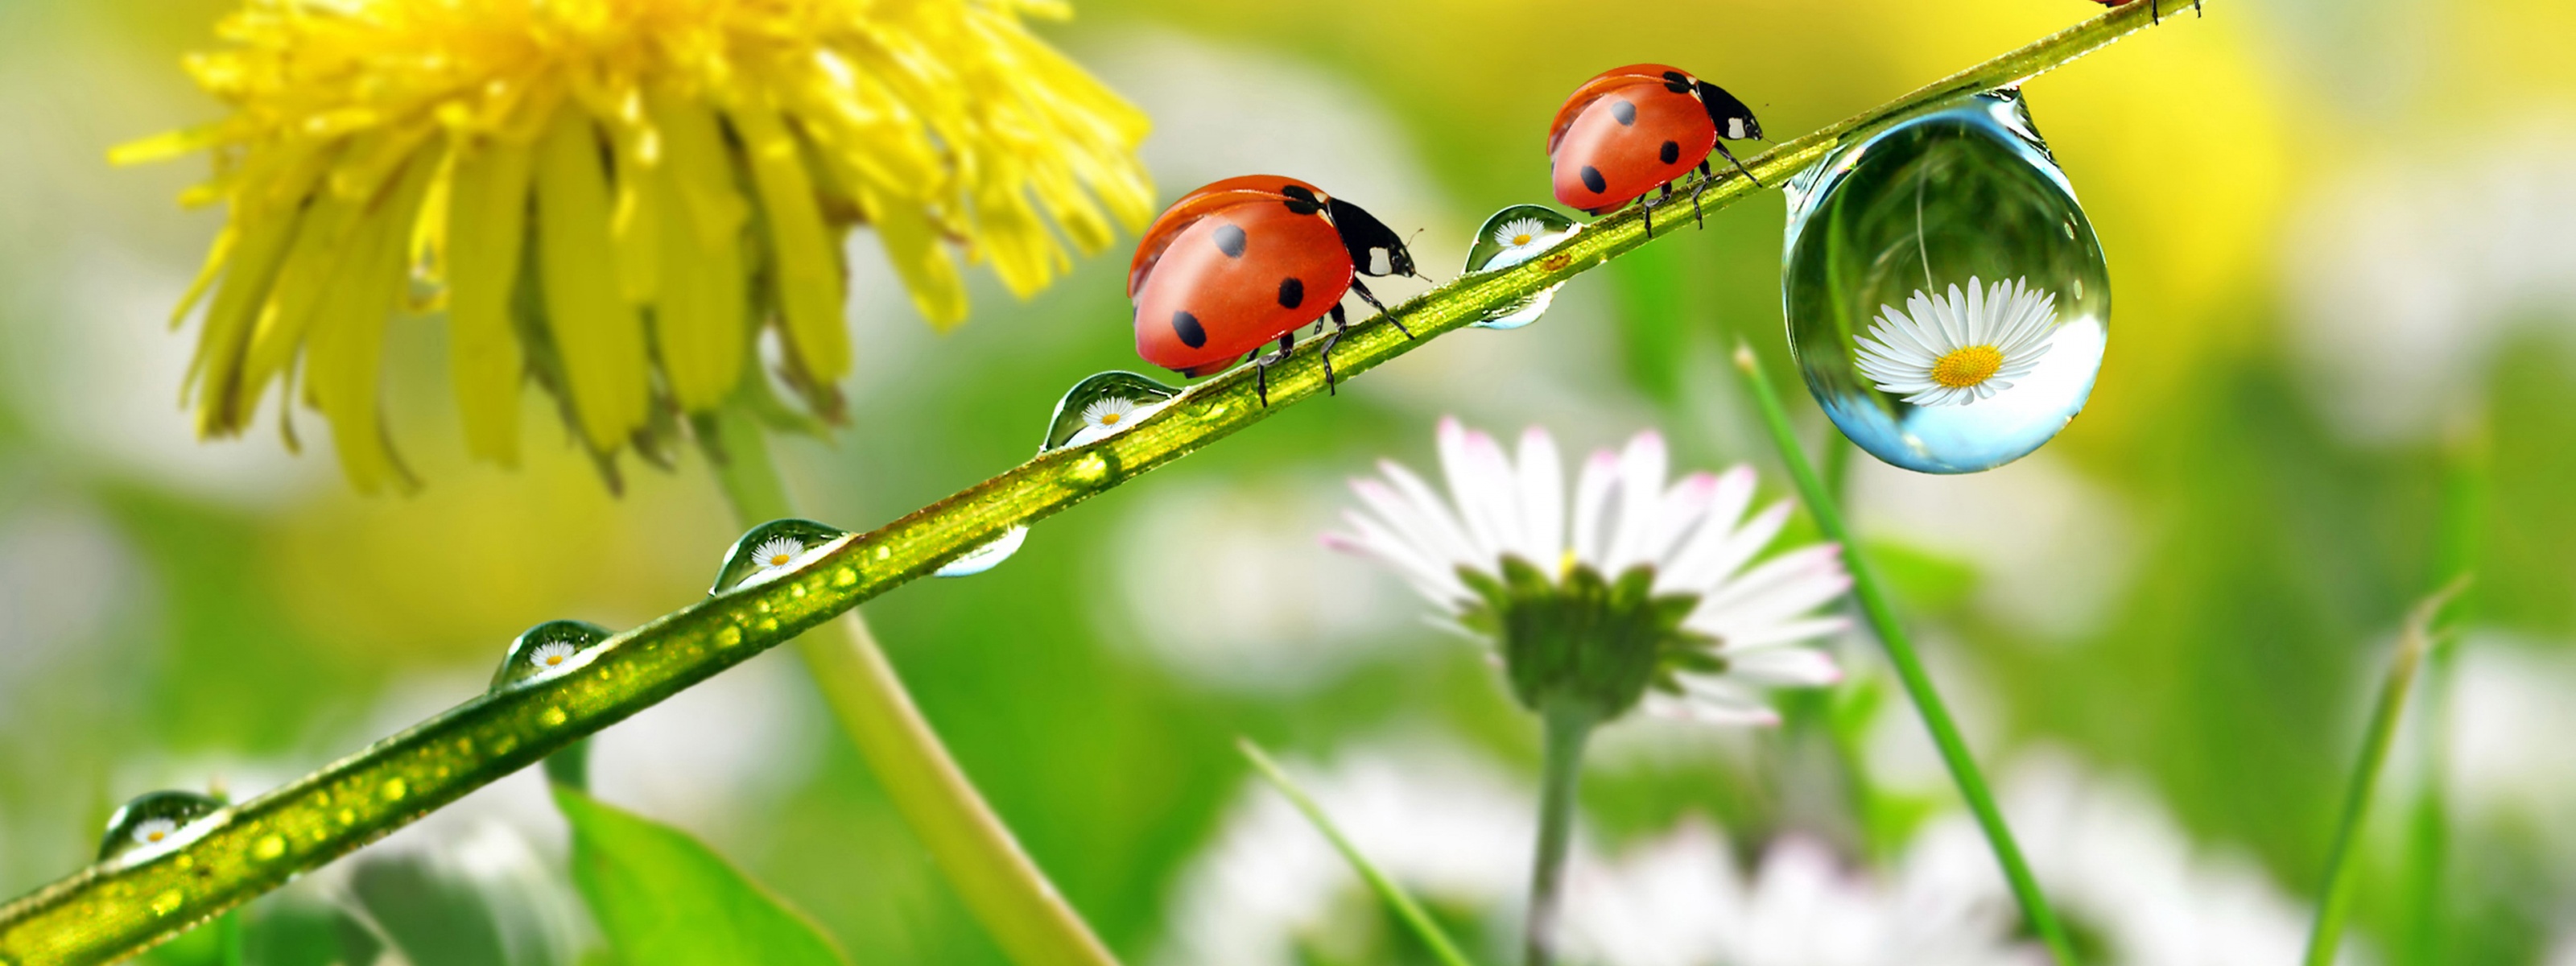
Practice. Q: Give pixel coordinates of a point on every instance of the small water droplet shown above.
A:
(547, 649)
(773, 550)
(729, 637)
(1100, 405)
(1512, 236)
(845, 577)
(552, 717)
(1091, 470)
(1939, 308)
(394, 789)
(986, 557)
(167, 902)
(269, 847)
(153, 820)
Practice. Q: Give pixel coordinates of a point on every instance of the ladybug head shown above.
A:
(1374, 248)
(1734, 120)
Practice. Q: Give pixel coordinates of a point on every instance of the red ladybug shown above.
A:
(1247, 260)
(2155, 13)
(1637, 128)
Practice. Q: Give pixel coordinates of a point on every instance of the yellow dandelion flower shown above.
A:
(613, 198)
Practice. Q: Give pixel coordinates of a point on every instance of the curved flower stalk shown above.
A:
(617, 197)
(108, 911)
(1634, 592)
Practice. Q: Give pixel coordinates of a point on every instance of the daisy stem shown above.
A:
(2334, 897)
(982, 861)
(1875, 605)
(1568, 727)
(108, 912)
(1387, 890)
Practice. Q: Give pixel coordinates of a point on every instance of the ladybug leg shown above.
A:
(1698, 217)
(1341, 325)
(1739, 165)
(1261, 364)
(1371, 298)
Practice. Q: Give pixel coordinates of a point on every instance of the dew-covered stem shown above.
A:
(112, 910)
(1396, 899)
(973, 849)
(1881, 614)
(1567, 726)
(2334, 896)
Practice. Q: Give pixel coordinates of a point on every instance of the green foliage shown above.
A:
(665, 899)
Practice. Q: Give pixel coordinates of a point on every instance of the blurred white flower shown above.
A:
(2117, 866)
(2053, 550)
(1246, 553)
(1450, 828)
(2509, 714)
(1506, 545)
(2404, 277)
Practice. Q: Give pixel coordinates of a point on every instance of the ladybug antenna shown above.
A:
(1417, 272)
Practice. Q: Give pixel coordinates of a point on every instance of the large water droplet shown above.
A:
(1947, 301)
(773, 550)
(547, 649)
(152, 820)
(1092, 410)
(1512, 236)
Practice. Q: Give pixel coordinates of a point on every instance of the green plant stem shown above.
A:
(1568, 726)
(982, 861)
(1909, 666)
(1393, 895)
(112, 910)
(2428, 827)
(2334, 902)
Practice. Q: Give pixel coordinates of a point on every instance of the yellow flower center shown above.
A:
(155, 835)
(1967, 366)
(1521, 239)
(553, 659)
(780, 559)
(1109, 419)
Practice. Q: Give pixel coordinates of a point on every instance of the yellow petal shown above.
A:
(912, 245)
(346, 353)
(701, 317)
(487, 221)
(808, 266)
(250, 271)
(596, 333)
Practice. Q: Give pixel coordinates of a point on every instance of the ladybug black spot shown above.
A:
(1187, 327)
(1677, 82)
(1229, 239)
(1292, 293)
(1592, 180)
(1625, 112)
(1671, 152)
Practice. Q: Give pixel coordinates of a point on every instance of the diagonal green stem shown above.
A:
(2334, 902)
(1909, 666)
(974, 850)
(108, 911)
(1432, 936)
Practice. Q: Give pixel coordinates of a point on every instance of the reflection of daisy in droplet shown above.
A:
(1955, 349)
(551, 655)
(1522, 239)
(153, 831)
(777, 553)
(1107, 415)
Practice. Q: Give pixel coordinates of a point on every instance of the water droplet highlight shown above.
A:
(1512, 236)
(1948, 303)
(153, 820)
(773, 550)
(546, 650)
(1096, 408)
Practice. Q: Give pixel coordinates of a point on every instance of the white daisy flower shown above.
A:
(1668, 560)
(777, 553)
(1522, 239)
(1107, 415)
(154, 831)
(1955, 349)
(551, 655)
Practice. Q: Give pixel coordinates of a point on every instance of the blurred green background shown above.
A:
(2343, 241)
